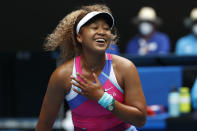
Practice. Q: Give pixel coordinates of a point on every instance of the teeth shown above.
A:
(100, 40)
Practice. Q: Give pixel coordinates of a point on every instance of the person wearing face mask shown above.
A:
(148, 41)
(187, 45)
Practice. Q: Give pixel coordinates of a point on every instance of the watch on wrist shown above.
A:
(111, 106)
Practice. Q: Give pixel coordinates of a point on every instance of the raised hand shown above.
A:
(89, 89)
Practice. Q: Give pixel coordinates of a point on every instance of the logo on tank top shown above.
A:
(105, 90)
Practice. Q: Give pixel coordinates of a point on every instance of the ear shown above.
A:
(79, 38)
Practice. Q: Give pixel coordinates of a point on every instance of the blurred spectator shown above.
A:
(113, 49)
(187, 45)
(148, 41)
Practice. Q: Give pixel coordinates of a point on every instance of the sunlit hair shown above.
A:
(64, 35)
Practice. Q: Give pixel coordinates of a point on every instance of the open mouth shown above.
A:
(100, 40)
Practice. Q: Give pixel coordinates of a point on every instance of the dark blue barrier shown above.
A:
(158, 81)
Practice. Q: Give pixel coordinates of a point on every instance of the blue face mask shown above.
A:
(194, 29)
(145, 28)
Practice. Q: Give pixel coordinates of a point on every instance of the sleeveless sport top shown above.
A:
(88, 114)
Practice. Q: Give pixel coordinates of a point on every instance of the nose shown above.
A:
(101, 31)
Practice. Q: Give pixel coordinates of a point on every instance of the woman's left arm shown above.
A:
(133, 110)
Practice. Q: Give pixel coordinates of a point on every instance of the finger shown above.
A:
(78, 81)
(95, 77)
(77, 85)
(79, 92)
(83, 78)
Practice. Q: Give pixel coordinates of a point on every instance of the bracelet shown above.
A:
(107, 101)
(111, 106)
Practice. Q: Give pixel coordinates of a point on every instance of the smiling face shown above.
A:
(95, 35)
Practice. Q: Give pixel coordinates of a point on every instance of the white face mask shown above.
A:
(145, 28)
(194, 29)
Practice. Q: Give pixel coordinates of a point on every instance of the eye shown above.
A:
(106, 27)
(94, 27)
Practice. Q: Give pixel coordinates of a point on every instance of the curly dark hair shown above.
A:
(64, 35)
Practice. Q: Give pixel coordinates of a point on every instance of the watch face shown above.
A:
(110, 108)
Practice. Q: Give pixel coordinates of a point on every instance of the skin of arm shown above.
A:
(133, 110)
(58, 87)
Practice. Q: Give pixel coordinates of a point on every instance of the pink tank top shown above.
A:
(88, 114)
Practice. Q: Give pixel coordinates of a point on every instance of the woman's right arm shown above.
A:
(53, 99)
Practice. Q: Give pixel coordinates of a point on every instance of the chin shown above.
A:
(100, 50)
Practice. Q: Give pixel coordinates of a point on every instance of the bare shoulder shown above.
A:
(123, 69)
(122, 63)
(60, 78)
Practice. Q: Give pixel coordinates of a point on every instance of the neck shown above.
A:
(93, 62)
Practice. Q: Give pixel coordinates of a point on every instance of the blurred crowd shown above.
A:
(150, 41)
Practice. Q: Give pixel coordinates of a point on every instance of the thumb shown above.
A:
(95, 77)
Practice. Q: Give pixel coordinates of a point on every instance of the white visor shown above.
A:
(90, 15)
